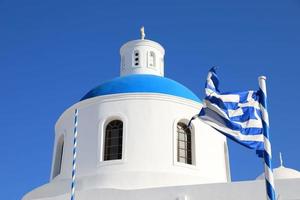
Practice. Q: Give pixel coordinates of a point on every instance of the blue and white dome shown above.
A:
(142, 71)
(142, 83)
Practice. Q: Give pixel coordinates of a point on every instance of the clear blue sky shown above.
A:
(53, 52)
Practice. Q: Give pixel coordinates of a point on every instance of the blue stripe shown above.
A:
(267, 160)
(75, 120)
(270, 191)
(259, 146)
(215, 117)
(262, 98)
(265, 127)
(248, 112)
(229, 105)
(214, 78)
(221, 104)
(210, 87)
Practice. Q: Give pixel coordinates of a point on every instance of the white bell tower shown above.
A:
(142, 57)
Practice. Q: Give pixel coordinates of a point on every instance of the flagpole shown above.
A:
(267, 154)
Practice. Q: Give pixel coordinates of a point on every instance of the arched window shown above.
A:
(113, 140)
(58, 157)
(152, 59)
(136, 58)
(184, 143)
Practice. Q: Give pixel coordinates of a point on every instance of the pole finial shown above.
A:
(143, 35)
(262, 77)
(281, 160)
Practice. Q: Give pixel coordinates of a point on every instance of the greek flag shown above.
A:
(236, 115)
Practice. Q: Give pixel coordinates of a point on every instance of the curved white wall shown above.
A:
(147, 64)
(149, 146)
(149, 143)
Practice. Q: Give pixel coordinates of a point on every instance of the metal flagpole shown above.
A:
(269, 179)
(74, 156)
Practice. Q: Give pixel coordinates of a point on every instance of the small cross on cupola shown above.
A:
(143, 35)
(281, 160)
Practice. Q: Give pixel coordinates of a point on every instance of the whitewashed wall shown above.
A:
(149, 138)
(144, 47)
(149, 144)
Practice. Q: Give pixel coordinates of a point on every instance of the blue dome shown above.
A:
(142, 83)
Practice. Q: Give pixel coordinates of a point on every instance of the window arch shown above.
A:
(184, 143)
(58, 157)
(113, 140)
(152, 59)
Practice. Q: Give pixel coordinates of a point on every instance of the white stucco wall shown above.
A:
(144, 47)
(287, 189)
(149, 144)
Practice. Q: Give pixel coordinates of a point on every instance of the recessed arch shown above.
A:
(113, 140)
(58, 159)
(184, 143)
(151, 59)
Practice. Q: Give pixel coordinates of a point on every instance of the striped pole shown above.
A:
(74, 155)
(269, 179)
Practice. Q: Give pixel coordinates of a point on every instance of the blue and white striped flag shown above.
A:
(242, 117)
(236, 115)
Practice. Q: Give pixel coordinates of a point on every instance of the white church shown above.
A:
(133, 142)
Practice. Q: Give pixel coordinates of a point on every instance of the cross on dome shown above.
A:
(143, 35)
(280, 158)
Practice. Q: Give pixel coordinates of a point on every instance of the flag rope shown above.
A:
(267, 153)
(74, 155)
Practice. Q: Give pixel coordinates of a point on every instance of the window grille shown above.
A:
(184, 144)
(113, 140)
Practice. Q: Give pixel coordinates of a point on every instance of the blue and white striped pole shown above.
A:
(74, 156)
(269, 178)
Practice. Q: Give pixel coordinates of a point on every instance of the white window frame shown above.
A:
(101, 139)
(154, 63)
(106, 146)
(193, 139)
(59, 141)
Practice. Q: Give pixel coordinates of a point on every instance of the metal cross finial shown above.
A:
(281, 161)
(143, 33)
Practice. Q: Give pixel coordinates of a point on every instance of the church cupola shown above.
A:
(142, 57)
